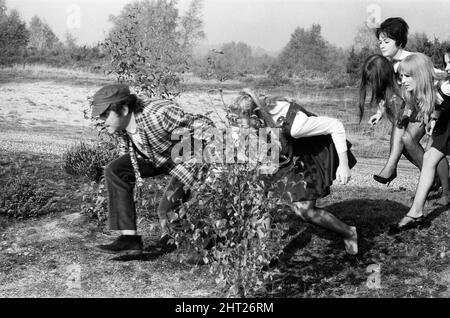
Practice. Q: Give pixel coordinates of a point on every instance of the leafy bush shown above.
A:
(88, 160)
(225, 223)
(150, 45)
(278, 76)
(22, 197)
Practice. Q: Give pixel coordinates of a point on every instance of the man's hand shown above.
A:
(373, 120)
(343, 174)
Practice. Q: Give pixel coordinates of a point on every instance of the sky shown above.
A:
(265, 24)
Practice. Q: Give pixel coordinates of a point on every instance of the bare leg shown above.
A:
(431, 160)
(411, 139)
(308, 211)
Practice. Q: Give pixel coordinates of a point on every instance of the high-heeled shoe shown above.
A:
(414, 223)
(384, 180)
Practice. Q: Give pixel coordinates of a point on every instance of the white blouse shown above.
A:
(304, 126)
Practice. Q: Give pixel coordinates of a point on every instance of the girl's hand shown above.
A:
(343, 174)
(429, 128)
(375, 119)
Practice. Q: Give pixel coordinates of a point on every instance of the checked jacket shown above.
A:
(155, 124)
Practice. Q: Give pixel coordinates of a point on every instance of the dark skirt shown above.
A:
(311, 171)
(441, 133)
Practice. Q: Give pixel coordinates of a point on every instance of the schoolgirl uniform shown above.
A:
(315, 143)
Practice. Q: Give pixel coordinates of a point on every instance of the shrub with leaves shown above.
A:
(89, 160)
(23, 197)
(150, 45)
(226, 223)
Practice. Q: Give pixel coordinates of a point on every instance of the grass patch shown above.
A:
(43, 72)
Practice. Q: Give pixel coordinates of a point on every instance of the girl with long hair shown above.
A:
(420, 87)
(317, 154)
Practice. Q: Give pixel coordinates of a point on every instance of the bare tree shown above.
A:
(41, 35)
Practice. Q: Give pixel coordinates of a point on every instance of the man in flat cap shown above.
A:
(144, 130)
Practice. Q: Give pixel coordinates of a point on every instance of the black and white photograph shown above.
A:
(224, 149)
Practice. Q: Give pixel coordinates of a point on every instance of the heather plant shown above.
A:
(23, 197)
(89, 160)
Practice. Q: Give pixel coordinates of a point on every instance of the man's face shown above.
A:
(387, 46)
(115, 122)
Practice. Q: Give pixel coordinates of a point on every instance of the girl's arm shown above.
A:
(381, 109)
(304, 126)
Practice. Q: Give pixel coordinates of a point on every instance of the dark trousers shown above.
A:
(120, 180)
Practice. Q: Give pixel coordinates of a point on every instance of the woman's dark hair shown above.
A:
(134, 105)
(396, 29)
(378, 74)
(446, 51)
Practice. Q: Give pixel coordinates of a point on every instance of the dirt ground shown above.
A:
(53, 255)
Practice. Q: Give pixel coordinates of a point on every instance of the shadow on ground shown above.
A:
(314, 262)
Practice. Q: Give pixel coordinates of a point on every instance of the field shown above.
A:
(52, 256)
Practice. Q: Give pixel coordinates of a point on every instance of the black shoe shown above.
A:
(414, 223)
(124, 244)
(384, 180)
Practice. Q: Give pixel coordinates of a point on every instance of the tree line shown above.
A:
(37, 43)
(151, 41)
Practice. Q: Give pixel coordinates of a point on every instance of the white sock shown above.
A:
(128, 232)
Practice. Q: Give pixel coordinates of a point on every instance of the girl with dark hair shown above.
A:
(319, 154)
(378, 75)
(392, 37)
(419, 81)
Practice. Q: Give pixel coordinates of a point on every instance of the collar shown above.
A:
(132, 125)
(401, 57)
(280, 106)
